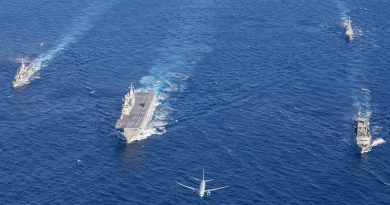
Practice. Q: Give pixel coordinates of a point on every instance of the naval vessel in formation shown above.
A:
(23, 75)
(348, 29)
(137, 112)
(363, 135)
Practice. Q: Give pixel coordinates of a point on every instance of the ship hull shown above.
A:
(23, 81)
(349, 35)
(131, 134)
(133, 126)
(348, 30)
(363, 135)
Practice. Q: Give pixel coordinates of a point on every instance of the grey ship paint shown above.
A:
(137, 112)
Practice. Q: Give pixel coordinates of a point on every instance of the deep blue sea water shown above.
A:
(260, 93)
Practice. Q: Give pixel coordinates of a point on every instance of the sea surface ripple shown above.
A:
(260, 94)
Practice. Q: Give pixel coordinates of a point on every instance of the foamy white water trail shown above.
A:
(362, 103)
(176, 60)
(343, 10)
(377, 142)
(169, 75)
(80, 26)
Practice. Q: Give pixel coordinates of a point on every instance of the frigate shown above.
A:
(137, 112)
(23, 75)
(363, 135)
(348, 29)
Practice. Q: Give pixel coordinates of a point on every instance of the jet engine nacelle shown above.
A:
(208, 193)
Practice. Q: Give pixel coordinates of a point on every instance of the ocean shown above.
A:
(261, 94)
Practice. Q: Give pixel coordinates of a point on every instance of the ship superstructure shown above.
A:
(348, 29)
(23, 75)
(137, 112)
(363, 135)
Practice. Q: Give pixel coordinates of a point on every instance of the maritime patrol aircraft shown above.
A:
(202, 188)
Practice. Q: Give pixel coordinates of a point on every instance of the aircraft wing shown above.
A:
(215, 189)
(188, 187)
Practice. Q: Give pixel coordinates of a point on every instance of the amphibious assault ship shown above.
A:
(137, 112)
(363, 135)
(348, 29)
(23, 75)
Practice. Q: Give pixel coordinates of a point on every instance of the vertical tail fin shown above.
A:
(203, 179)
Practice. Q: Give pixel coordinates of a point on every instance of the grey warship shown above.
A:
(363, 135)
(348, 29)
(23, 75)
(137, 112)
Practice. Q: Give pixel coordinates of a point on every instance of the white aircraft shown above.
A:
(202, 188)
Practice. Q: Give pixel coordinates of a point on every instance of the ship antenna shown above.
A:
(131, 88)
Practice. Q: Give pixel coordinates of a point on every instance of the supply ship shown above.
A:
(23, 75)
(363, 135)
(137, 112)
(348, 29)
